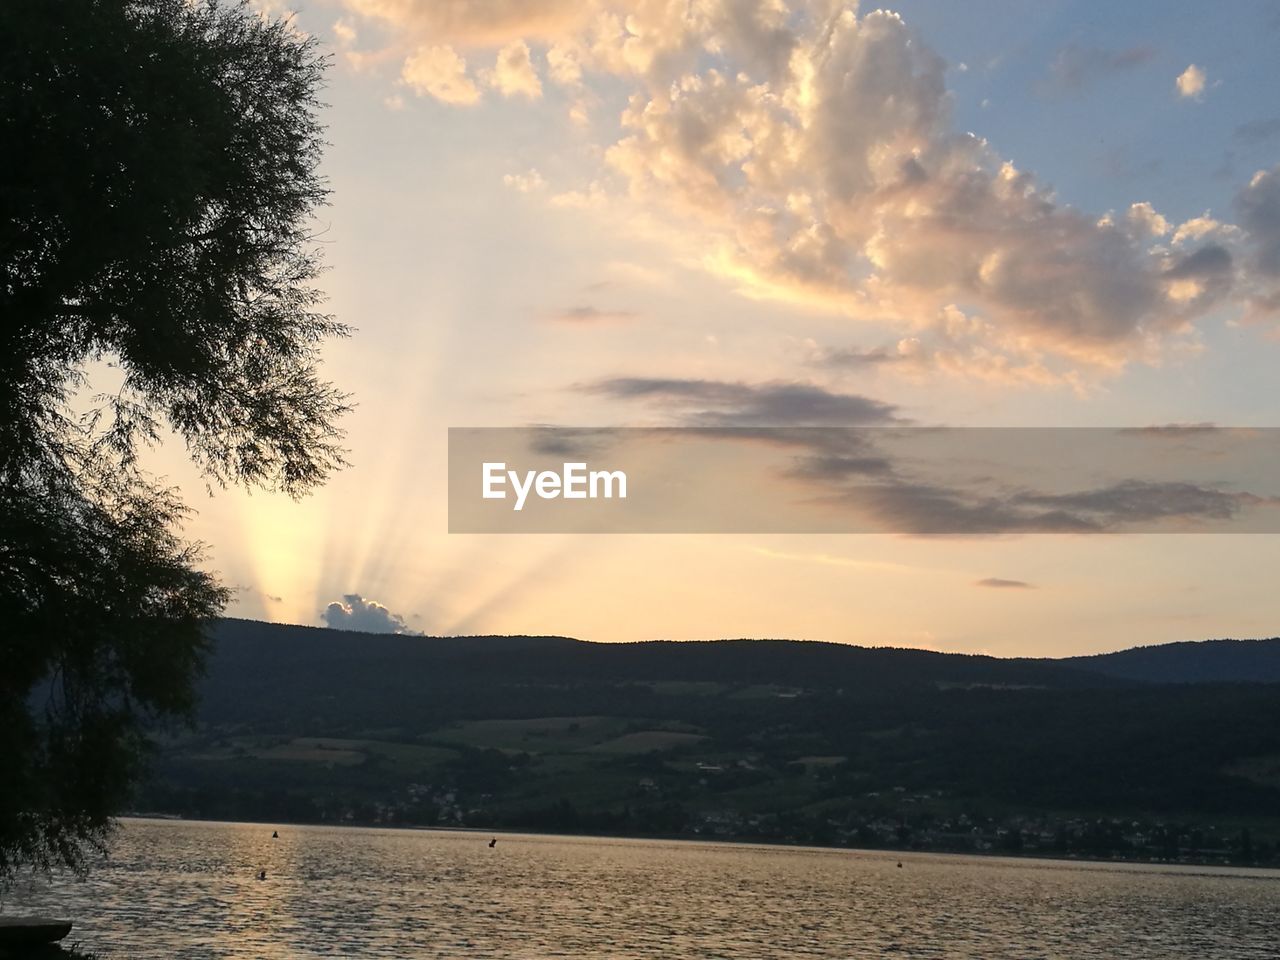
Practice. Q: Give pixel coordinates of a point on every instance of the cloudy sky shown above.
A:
(587, 213)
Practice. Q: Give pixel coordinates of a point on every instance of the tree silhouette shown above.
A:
(157, 186)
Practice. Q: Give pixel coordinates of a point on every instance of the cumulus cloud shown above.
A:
(843, 183)
(954, 343)
(1196, 228)
(1190, 82)
(513, 73)
(1146, 221)
(718, 403)
(354, 612)
(344, 33)
(807, 153)
(439, 72)
(530, 182)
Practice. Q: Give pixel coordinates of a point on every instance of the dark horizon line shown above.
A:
(789, 640)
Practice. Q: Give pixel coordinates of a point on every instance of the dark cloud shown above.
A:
(1211, 267)
(1077, 66)
(882, 473)
(924, 508)
(581, 442)
(717, 403)
(855, 357)
(1136, 501)
(1002, 584)
(256, 592)
(835, 467)
(858, 471)
(1258, 206)
(1209, 262)
(590, 314)
(1257, 132)
(354, 612)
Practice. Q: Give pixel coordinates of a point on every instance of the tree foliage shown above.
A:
(157, 192)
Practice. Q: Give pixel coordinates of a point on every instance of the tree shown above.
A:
(157, 189)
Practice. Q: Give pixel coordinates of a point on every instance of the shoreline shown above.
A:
(886, 852)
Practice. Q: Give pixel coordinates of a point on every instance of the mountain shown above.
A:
(1206, 661)
(253, 664)
(764, 739)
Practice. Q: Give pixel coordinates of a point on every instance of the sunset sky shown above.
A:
(979, 214)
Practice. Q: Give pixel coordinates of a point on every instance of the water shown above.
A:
(189, 890)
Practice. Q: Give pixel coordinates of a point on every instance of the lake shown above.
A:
(190, 890)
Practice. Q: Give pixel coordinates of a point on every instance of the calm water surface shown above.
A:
(189, 890)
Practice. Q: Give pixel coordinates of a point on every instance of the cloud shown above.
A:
(1204, 275)
(439, 72)
(928, 508)
(842, 184)
(530, 182)
(580, 442)
(808, 154)
(1076, 66)
(952, 343)
(1190, 82)
(858, 357)
(1134, 501)
(1258, 206)
(474, 22)
(829, 467)
(513, 73)
(1196, 228)
(939, 481)
(1145, 220)
(588, 314)
(884, 476)
(717, 403)
(564, 66)
(344, 33)
(925, 508)
(1002, 584)
(929, 487)
(354, 612)
(1257, 132)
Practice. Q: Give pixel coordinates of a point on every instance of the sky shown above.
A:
(983, 214)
